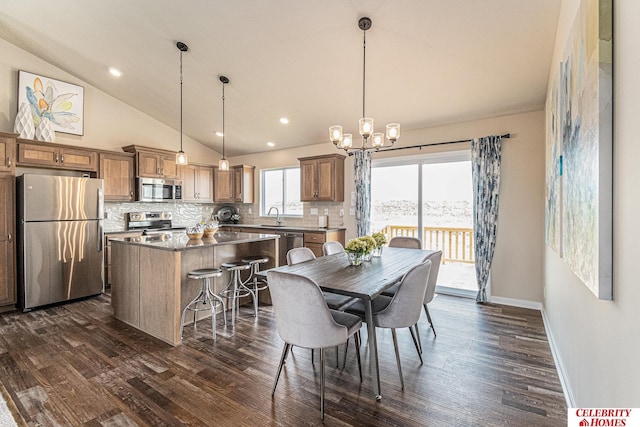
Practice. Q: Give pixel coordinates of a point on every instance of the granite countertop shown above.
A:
(284, 227)
(179, 241)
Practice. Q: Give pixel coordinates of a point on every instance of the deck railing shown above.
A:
(456, 244)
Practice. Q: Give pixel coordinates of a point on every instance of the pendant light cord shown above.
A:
(364, 68)
(224, 133)
(180, 100)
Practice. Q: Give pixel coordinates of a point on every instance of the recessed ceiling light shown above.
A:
(271, 144)
(218, 133)
(115, 72)
(284, 120)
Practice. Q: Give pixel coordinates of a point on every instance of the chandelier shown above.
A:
(370, 140)
(223, 164)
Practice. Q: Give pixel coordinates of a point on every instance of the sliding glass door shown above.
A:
(429, 197)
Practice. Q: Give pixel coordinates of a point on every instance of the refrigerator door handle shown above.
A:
(100, 236)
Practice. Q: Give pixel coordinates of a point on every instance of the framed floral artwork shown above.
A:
(60, 102)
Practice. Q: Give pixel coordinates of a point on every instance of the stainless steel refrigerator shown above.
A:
(60, 239)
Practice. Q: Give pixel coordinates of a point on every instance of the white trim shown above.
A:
(456, 292)
(534, 305)
(562, 375)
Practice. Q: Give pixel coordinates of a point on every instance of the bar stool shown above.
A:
(236, 288)
(259, 283)
(206, 297)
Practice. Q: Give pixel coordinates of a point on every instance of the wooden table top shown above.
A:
(334, 273)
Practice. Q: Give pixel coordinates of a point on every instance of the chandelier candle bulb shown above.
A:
(393, 131)
(365, 125)
(378, 139)
(335, 134)
(347, 140)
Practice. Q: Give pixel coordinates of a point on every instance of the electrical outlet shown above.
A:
(313, 211)
(249, 211)
(326, 211)
(341, 212)
(352, 211)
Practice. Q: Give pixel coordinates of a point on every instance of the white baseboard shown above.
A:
(516, 302)
(564, 380)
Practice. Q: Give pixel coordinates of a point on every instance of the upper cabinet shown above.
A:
(322, 178)
(234, 185)
(7, 152)
(222, 185)
(119, 180)
(154, 163)
(243, 183)
(33, 153)
(197, 183)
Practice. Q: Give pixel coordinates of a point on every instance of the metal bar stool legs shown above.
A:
(253, 279)
(206, 297)
(236, 288)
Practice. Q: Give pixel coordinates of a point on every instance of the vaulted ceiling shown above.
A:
(429, 62)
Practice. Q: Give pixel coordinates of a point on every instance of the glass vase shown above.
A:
(354, 258)
(377, 252)
(366, 256)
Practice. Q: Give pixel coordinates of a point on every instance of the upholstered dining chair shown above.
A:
(405, 242)
(304, 320)
(402, 310)
(334, 301)
(330, 248)
(436, 258)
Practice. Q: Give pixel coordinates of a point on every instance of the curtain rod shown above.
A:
(504, 136)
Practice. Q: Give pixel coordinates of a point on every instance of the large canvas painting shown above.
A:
(60, 102)
(579, 150)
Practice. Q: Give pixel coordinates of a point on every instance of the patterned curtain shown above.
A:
(362, 176)
(486, 155)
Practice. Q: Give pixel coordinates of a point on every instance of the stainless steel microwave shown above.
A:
(158, 190)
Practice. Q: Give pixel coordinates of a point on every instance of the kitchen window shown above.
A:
(281, 189)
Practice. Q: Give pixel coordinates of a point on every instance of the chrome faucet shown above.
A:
(278, 220)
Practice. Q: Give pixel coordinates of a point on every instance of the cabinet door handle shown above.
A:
(55, 157)
(10, 237)
(61, 158)
(9, 161)
(131, 194)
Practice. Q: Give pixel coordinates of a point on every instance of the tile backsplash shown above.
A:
(191, 213)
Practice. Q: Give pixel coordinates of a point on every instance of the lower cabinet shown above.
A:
(315, 239)
(107, 251)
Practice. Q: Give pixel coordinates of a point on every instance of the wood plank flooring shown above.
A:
(74, 365)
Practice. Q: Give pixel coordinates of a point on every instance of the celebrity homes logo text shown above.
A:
(603, 417)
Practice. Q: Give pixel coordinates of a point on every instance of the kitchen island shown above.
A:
(149, 285)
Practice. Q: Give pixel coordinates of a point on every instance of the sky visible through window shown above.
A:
(446, 199)
(281, 188)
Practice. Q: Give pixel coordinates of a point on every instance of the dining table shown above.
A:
(334, 273)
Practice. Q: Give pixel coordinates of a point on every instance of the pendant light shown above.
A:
(224, 163)
(181, 156)
(370, 140)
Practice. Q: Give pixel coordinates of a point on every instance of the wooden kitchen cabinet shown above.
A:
(222, 185)
(119, 180)
(243, 183)
(315, 239)
(7, 241)
(33, 153)
(107, 251)
(7, 152)
(154, 163)
(197, 183)
(322, 178)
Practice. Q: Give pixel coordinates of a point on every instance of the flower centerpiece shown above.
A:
(359, 249)
(380, 239)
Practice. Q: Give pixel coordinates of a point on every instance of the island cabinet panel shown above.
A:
(125, 293)
(7, 241)
(160, 297)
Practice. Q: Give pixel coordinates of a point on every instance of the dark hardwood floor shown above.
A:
(75, 365)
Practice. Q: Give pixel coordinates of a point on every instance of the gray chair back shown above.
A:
(330, 248)
(302, 316)
(405, 242)
(436, 258)
(297, 255)
(404, 309)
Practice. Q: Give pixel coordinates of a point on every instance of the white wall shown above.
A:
(517, 267)
(598, 342)
(109, 124)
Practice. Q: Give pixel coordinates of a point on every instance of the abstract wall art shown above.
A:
(579, 145)
(60, 102)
